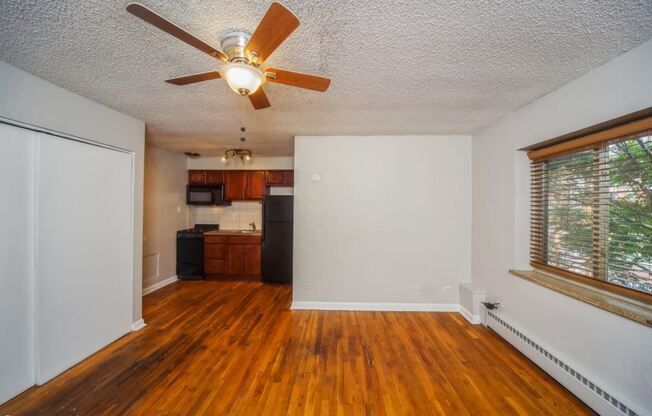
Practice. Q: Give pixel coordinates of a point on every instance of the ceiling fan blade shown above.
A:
(297, 79)
(165, 25)
(191, 79)
(259, 99)
(273, 29)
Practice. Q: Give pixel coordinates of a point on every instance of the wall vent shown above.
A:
(620, 406)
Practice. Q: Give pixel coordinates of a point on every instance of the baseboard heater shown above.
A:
(583, 387)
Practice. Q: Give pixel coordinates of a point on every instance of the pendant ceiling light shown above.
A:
(245, 155)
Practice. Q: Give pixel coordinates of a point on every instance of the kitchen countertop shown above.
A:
(256, 233)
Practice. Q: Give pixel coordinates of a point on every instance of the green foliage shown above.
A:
(630, 211)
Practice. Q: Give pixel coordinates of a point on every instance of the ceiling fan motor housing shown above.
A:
(233, 45)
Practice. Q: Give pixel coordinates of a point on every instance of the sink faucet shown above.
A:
(253, 225)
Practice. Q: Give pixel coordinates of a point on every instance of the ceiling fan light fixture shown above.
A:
(244, 79)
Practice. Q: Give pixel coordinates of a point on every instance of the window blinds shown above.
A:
(591, 210)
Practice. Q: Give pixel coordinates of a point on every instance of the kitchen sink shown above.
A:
(247, 231)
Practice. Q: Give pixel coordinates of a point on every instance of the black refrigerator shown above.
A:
(278, 212)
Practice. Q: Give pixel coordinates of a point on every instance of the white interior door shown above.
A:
(84, 252)
(16, 261)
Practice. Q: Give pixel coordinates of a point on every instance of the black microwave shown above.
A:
(205, 195)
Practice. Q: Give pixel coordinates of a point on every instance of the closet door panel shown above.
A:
(16, 261)
(84, 251)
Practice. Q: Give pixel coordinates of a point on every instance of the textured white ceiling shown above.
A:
(397, 66)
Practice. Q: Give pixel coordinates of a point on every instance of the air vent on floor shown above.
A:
(624, 409)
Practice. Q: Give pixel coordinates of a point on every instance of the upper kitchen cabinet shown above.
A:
(255, 185)
(244, 185)
(215, 177)
(279, 178)
(205, 177)
(234, 185)
(197, 177)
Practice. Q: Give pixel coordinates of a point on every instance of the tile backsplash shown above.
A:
(234, 217)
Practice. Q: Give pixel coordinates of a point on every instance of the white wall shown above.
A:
(610, 348)
(31, 100)
(389, 222)
(165, 212)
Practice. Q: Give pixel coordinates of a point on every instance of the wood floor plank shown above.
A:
(234, 348)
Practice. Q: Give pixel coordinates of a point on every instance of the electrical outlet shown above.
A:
(308, 286)
(447, 288)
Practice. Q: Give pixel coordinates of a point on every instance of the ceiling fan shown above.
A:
(243, 53)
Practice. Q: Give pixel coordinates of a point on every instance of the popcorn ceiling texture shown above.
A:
(397, 67)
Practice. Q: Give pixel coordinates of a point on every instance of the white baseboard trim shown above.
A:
(602, 397)
(368, 306)
(474, 319)
(156, 286)
(138, 325)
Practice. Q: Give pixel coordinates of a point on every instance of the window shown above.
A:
(591, 209)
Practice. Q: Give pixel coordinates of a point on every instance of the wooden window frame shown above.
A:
(574, 145)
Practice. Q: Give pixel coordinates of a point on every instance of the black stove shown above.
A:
(198, 231)
(190, 251)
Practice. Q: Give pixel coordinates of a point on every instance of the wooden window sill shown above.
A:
(633, 309)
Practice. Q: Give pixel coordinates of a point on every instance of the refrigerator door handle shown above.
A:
(262, 224)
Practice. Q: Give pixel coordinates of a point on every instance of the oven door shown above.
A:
(200, 195)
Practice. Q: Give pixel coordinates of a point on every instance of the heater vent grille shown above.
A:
(624, 409)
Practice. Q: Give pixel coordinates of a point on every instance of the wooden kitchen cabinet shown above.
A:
(279, 178)
(235, 260)
(214, 251)
(244, 185)
(205, 177)
(234, 185)
(252, 260)
(214, 255)
(235, 255)
(243, 259)
(214, 267)
(214, 177)
(255, 185)
(197, 177)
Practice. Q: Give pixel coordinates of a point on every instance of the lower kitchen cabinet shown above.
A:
(214, 266)
(236, 259)
(252, 260)
(232, 256)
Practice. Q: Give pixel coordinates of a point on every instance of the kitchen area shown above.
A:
(241, 226)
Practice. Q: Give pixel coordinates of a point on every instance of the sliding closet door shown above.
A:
(16, 261)
(84, 270)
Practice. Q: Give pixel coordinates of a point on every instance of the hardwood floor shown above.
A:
(233, 348)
